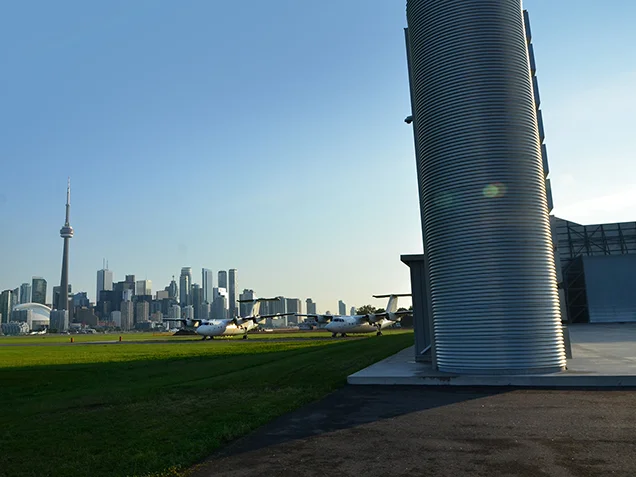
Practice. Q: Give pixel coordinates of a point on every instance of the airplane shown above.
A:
(369, 323)
(231, 326)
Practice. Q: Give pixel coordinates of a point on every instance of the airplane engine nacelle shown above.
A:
(372, 318)
(321, 319)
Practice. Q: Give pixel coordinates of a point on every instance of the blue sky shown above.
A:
(267, 137)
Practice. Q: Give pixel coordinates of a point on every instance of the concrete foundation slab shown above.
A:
(604, 355)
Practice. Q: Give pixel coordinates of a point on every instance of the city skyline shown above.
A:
(257, 136)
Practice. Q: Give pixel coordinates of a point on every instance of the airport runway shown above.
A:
(411, 431)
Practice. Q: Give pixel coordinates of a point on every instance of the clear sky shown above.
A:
(266, 136)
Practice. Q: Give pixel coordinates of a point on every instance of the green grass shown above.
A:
(148, 336)
(147, 409)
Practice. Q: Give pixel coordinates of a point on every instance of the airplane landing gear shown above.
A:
(333, 335)
(379, 333)
(203, 339)
(344, 335)
(244, 336)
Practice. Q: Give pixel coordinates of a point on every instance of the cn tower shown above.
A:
(66, 233)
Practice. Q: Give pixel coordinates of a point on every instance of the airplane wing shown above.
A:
(318, 317)
(260, 317)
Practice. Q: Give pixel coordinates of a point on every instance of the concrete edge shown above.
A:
(556, 381)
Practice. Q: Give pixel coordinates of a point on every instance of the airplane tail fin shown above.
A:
(392, 305)
(256, 304)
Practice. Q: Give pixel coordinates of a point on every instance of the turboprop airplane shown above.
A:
(231, 326)
(369, 323)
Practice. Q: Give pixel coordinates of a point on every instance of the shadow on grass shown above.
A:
(143, 417)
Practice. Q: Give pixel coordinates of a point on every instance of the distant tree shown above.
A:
(365, 309)
(407, 320)
(380, 310)
(327, 312)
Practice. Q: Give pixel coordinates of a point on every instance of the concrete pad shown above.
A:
(604, 355)
(406, 431)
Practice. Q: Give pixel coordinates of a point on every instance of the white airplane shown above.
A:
(369, 323)
(231, 326)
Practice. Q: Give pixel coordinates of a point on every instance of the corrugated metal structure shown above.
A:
(598, 269)
(488, 253)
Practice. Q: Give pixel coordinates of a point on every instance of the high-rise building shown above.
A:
(115, 317)
(352, 311)
(219, 305)
(142, 311)
(66, 232)
(143, 287)
(175, 311)
(197, 299)
(80, 300)
(38, 290)
(163, 294)
(204, 311)
(293, 305)
(222, 281)
(207, 283)
(59, 320)
(15, 297)
(25, 293)
(188, 312)
(173, 289)
(311, 306)
(342, 308)
(232, 277)
(185, 282)
(5, 305)
(245, 309)
(104, 281)
(127, 315)
(56, 294)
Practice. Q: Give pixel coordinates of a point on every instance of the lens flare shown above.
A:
(494, 190)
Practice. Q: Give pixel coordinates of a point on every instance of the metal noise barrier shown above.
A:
(485, 222)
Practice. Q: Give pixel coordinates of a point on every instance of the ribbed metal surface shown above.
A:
(482, 191)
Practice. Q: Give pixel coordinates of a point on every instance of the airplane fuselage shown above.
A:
(353, 324)
(224, 328)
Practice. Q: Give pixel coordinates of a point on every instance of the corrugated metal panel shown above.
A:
(482, 189)
(610, 285)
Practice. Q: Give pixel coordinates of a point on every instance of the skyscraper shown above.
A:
(197, 299)
(66, 232)
(232, 276)
(173, 289)
(245, 309)
(185, 282)
(56, 293)
(222, 282)
(127, 315)
(5, 305)
(311, 306)
(25, 293)
(104, 281)
(143, 287)
(207, 283)
(293, 305)
(38, 290)
(142, 312)
(342, 308)
(15, 297)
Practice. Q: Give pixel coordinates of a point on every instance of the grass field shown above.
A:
(156, 409)
(77, 338)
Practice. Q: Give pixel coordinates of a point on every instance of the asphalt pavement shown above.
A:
(418, 431)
